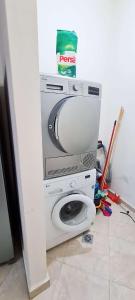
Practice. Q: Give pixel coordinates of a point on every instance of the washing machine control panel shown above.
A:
(69, 183)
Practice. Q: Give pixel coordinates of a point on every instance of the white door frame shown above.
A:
(20, 58)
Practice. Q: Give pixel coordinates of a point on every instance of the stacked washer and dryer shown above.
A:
(70, 110)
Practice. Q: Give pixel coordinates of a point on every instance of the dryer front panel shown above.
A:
(73, 124)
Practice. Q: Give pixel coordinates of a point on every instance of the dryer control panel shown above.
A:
(65, 85)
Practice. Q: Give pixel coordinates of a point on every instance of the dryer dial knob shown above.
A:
(75, 88)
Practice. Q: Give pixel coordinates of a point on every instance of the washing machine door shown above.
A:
(73, 212)
(73, 124)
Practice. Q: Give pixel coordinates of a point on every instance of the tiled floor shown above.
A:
(102, 271)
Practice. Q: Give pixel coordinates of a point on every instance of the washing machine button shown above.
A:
(72, 184)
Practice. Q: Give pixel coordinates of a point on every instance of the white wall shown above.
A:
(92, 22)
(122, 92)
(106, 53)
(20, 58)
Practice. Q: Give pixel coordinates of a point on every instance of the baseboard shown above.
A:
(39, 289)
(125, 202)
(128, 205)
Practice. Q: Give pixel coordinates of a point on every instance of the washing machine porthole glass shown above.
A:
(73, 212)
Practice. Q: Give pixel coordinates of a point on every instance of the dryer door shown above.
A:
(73, 213)
(73, 124)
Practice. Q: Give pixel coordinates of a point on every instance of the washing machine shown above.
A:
(70, 209)
(70, 111)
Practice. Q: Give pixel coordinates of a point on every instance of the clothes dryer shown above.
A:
(70, 124)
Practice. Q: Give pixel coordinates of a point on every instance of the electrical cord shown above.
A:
(127, 214)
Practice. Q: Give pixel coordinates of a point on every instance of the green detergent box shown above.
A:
(66, 49)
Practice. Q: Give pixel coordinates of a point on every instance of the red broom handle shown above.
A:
(108, 153)
(111, 145)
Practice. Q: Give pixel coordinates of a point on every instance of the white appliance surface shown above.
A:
(70, 206)
(70, 111)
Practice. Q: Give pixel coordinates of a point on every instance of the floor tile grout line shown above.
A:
(124, 239)
(5, 279)
(122, 285)
(82, 270)
(109, 290)
(109, 254)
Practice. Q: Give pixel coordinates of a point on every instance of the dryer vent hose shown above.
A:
(101, 156)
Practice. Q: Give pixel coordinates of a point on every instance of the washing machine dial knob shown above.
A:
(72, 184)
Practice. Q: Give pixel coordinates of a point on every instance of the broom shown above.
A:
(114, 135)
